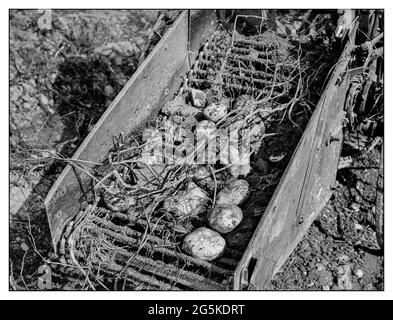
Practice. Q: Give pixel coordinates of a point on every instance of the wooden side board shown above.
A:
(304, 188)
(154, 83)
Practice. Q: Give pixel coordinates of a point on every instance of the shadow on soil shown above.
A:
(83, 89)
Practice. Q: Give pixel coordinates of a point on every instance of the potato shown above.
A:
(235, 193)
(178, 106)
(188, 203)
(202, 176)
(225, 217)
(215, 111)
(204, 244)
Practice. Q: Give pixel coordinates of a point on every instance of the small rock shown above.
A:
(15, 93)
(24, 246)
(359, 273)
(305, 249)
(320, 267)
(198, 98)
(355, 206)
(44, 100)
(176, 119)
(343, 259)
(325, 278)
(344, 281)
(108, 91)
(358, 226)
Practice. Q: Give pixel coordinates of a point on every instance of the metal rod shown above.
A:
(170, 253)
(172, 273)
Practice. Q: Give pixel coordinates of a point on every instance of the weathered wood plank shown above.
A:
(303, 190)
(155, 82)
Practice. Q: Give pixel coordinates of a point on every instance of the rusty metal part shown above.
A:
(154, 260)
(244, 65)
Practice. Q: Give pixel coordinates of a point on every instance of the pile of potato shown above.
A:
(208, 243)
(204, 117)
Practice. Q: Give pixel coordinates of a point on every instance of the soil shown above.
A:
(342, 237)
(61, 80)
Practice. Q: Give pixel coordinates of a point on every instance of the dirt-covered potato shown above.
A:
(202, 176)
(234, 193)
(204, 244)
(215, 111)
(178, 106)
(225, 217)
(188, 203)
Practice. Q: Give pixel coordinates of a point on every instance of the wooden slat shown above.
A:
(303, 190)
(155, 82)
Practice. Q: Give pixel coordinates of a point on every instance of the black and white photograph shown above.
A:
(196, 150)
